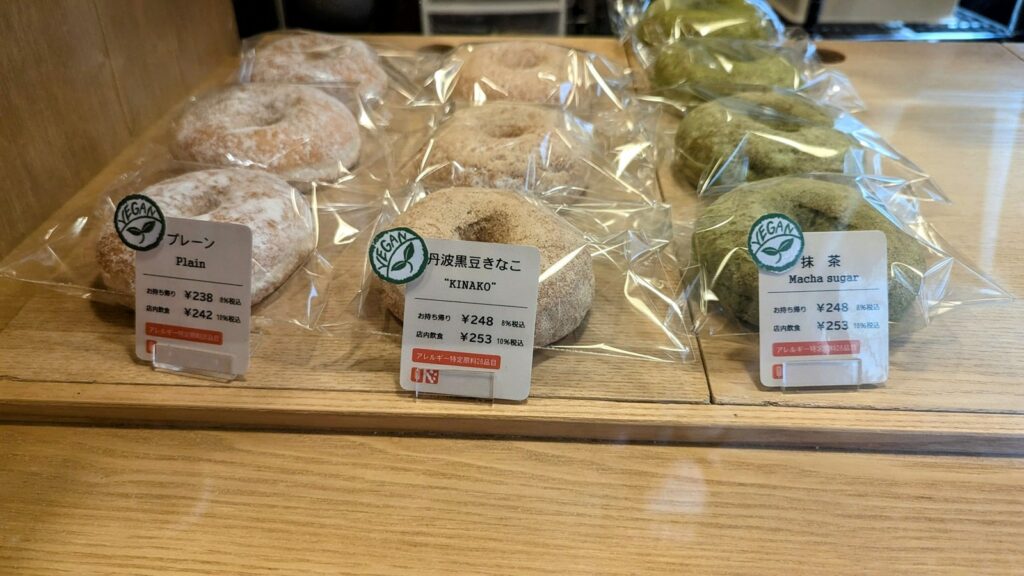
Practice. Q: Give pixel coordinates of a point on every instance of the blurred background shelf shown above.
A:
(866, 20)
(906, 20)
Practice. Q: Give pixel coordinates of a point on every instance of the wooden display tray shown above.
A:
(65, 359)
(969, 360)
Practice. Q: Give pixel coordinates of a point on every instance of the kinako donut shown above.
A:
(518, 70)
(668, 20)
(508, 145)
(298, 132)
(783, 134)
(505, 217)
(720, 238)
(283, 234)
(310, 57)
(720, 69)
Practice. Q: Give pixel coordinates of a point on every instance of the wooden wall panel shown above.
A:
(206, 32)
(143, 44)
(81, 78)
(61, 116)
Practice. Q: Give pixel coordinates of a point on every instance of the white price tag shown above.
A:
(825, 321)
(193, 298)
(469, 321)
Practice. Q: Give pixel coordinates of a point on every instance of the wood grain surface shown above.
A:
(88, 334)
(1015, 47)
(81, 79)
(572, 418)
(94, 501)
(340, 383)
(957, 111)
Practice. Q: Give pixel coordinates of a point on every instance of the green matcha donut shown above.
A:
(721, 68)
(668, 21)
(788, 135)
(720, 240)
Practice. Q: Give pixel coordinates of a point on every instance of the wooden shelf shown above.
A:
(124, 501)
(954, 385)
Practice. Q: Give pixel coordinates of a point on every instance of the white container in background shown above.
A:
(868, 11)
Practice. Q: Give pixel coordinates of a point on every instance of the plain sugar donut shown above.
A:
(313, 57)
(508, 145)
(505, 217)
(298, 132)
(280, 219)
(720, 240)
(522, 71)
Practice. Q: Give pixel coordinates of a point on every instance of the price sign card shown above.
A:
(469, 321)
(825, 320)
(193, 298)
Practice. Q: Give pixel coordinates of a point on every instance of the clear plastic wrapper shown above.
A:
(300, 132)
(292, 251)
(756, 135)
(658, 22)
(542, 150)
(378, 72)
(616, 260)
(684, 73)
(926, 276)
(529, 71)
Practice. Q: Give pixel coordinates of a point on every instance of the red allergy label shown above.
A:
(425, 376)
(184, 333)
(823, 348)
(461, 359)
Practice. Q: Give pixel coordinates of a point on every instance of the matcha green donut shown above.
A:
(668, 21)
(789, 135)
(720, 69)
(720, 240)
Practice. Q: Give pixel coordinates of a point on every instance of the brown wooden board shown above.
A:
(81, 79)
(70, 360)
(113, 502)
(956, 110)
(1016, 47)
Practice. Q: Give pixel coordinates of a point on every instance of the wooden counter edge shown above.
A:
(839, 429)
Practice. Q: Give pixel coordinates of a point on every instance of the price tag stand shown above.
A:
(181, 360)
(469, 321)
(193, 299)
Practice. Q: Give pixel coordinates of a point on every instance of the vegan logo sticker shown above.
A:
(776, 242)
(139, 222)
(398, 255)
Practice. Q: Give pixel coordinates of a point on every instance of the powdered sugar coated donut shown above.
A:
(505, 217)
(522, 71)
(312, 57)
(280, 219)
(509, 145)
(299, 132)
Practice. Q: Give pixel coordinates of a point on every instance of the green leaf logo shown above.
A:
(775, 242)
(398, 255)
(139, 222)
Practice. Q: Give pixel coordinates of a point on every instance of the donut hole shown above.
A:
(813, 220)
(268, 120)
(208, 201)
(505, 131)
(491, 228)
(781, 122)
(519, 59)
